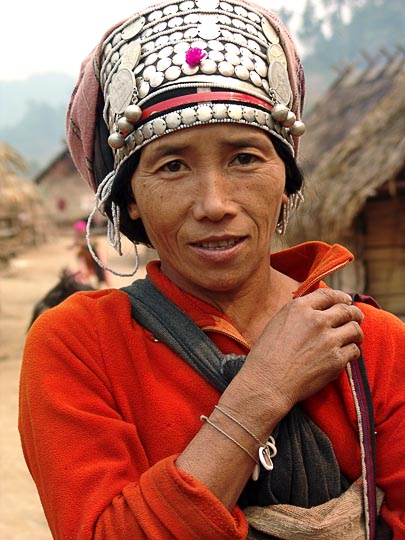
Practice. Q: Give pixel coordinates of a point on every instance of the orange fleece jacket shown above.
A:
(105, 410)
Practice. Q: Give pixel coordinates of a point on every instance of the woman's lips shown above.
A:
(219, 250)
(218, 244)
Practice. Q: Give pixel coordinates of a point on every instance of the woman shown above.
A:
(185, 122)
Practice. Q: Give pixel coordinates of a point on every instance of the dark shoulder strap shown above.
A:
(172, 326)
(154, 311)
(365, 414)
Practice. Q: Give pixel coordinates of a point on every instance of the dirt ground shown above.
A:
(29, 276)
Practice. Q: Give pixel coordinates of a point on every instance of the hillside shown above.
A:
(32, 116)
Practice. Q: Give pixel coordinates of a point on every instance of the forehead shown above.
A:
(213, 134)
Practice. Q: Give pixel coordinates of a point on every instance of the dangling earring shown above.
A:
(292, 204)
(113, 227)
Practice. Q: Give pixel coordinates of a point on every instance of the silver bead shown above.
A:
(241, 11)
(125, 126)
(208, 67)
(173, 73)
(147, 131)
(242, 73)
(232, 58)
(270, 122)
(261, 117)
(297, 129)
(190, 70)
(226, 69)
(290, 120)
(133, 113)
(216, 56)
(159, 126)
(188, 116)
(143, 89)
(157, 80)
(235, 112)
(220, 111)
(151, 59)
(138, 137)
(116, 140)
(279, 112)
(181, 48)
(255, 78)
(173, 120)
(130, 143)
(204, 113)
(163, 64)
(249, 114)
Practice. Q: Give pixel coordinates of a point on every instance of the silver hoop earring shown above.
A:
(113, 227)
(292, 204)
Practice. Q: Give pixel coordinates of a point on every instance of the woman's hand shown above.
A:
(303, 348)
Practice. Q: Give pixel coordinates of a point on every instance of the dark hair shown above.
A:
(121, 193)
(66, 286)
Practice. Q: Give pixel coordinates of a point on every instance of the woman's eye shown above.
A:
(173, 166)
(245, 159)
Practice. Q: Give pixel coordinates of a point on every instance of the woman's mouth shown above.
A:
(218, 244)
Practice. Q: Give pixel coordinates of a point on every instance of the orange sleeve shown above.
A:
(94, 475)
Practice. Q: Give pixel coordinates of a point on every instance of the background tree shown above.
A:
(333, 32)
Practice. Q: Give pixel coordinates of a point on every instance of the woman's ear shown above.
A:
(133, 210)
(284, 198)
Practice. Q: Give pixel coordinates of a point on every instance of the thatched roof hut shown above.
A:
(354, 157)
(66, 196)
(22, 217)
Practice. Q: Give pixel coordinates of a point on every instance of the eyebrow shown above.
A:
(167, 148)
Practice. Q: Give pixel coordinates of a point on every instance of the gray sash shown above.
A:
(306, 471)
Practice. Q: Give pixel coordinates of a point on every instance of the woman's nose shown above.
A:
(214, 199)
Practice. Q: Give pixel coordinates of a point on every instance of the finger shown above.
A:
(322, 299)
(340, 314)
(349, 333)
(350, 353)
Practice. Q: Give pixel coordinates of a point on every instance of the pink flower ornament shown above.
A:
(194, 56)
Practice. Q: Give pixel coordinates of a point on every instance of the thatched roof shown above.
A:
(355, 143)
(16, 192)
(62, 157)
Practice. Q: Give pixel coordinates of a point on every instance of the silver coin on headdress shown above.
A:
(269, 31)
(275, 53)
(121, 90)
(133, 29)
(131, 56)
(279, 82)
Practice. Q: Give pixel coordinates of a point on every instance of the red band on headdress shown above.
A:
(204, 97)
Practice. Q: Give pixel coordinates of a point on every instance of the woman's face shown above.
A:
(209, 198)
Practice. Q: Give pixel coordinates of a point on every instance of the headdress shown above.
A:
(180, 64)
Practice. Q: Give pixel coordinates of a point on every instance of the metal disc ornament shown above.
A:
(133, 29)
(269, 31)
(275, 53)
(121, 89)
(131, 56)
(279, 82)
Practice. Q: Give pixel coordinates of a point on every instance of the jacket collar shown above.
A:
(307, 263)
